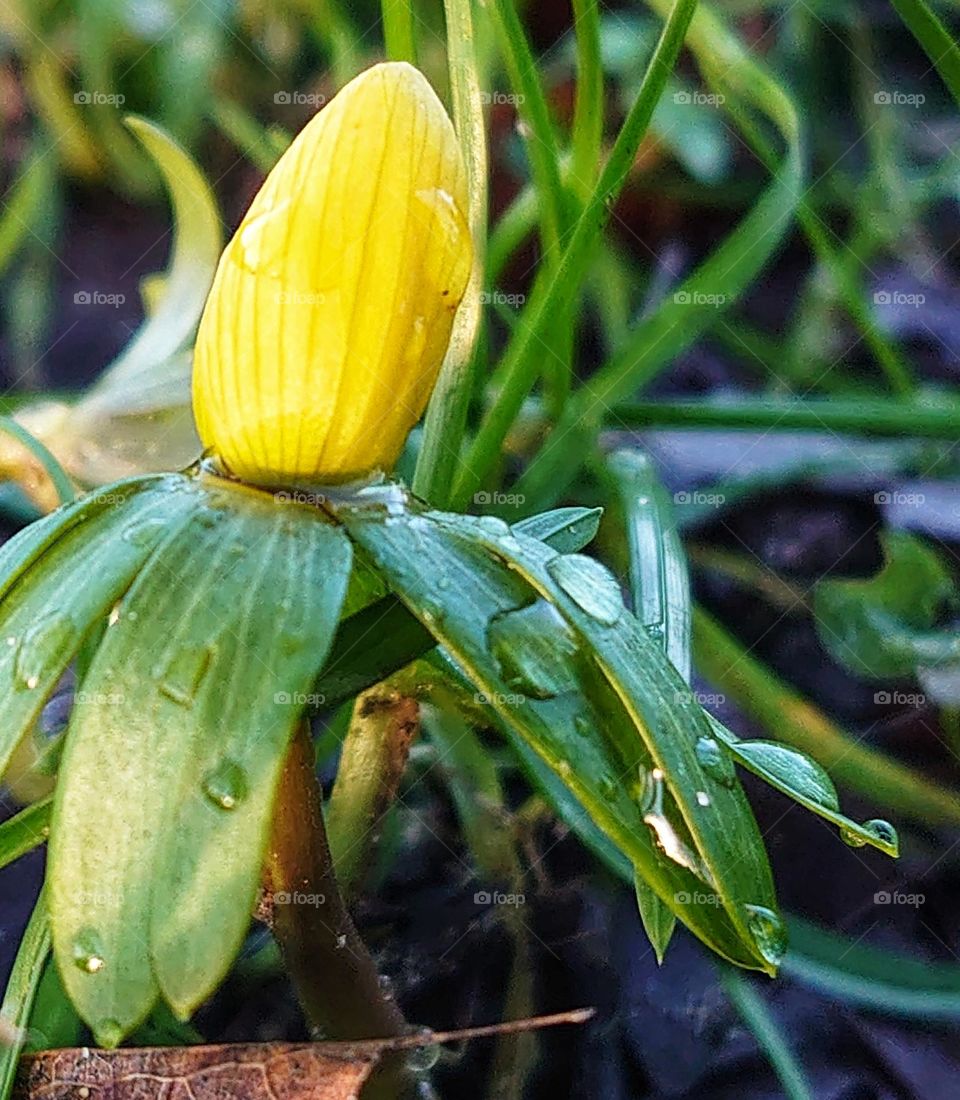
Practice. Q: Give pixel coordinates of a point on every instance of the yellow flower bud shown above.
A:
(332, 306)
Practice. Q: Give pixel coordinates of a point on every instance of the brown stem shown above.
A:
(334, 976)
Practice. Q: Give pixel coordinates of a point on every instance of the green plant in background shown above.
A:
(185, 757)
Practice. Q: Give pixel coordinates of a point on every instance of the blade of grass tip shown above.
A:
(588, 107)
(262, 147)
(25, 831)
(521, 363)
(937, 42)
(789, 717)
(23, 202)
(51, 467)
(446, 417)
(756, 1014)
(398, 33)
(21, 990)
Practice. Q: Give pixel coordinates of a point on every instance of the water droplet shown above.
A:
(443, 583)
(883, 831)
(703, 799)
(261, 248)
(592, 587)
(226, 785)
(49, 637)
(423, 1059)
(181, 677)
(88, 952)
(493, 525)
(769, 933)
(715, 762)
(144, 533)
(109, 1033)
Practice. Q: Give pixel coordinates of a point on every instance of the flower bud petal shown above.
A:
(332, 305)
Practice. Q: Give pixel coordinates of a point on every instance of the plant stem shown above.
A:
(398, 34)
(764, 697)
(333, 973)
(372, 762)
(878, 417)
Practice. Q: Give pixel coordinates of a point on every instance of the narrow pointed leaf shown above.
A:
(658, 920)
(25, 831)
(21, 990)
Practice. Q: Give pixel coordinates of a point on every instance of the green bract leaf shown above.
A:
(658, 920)
(595, 699)
(88, 554)
(797, 775)
(882, 627)
(165, 794)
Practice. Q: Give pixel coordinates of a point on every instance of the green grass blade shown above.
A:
(21, 990)
(556, 296)
(588, 107)
(25, 831)
(937, 42)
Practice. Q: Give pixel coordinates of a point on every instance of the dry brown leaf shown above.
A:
(250, 1071)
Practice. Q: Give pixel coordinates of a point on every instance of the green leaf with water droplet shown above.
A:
(197, 672)
(575, 723)
(78, 569)
(805, 781)
(659, 920)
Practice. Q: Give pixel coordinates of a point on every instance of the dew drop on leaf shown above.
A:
(143, 533)
(852, 838)
(769, 933)
(88, 952)
(226, 785)
(592, 587)
(423, 1059)
(715, 762)
(47, 639)
(180, 678)
(883, 831)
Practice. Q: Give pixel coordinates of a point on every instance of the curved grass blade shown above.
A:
(937, 42)
(21, 991)
(51, 467)
(197, 243)
(521, 654)
(46, 615)
(264, 663)
(857, 973)
(25, 831)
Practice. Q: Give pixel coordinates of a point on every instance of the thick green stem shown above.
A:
(333, 973)
(791, 718)
(372, 762)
